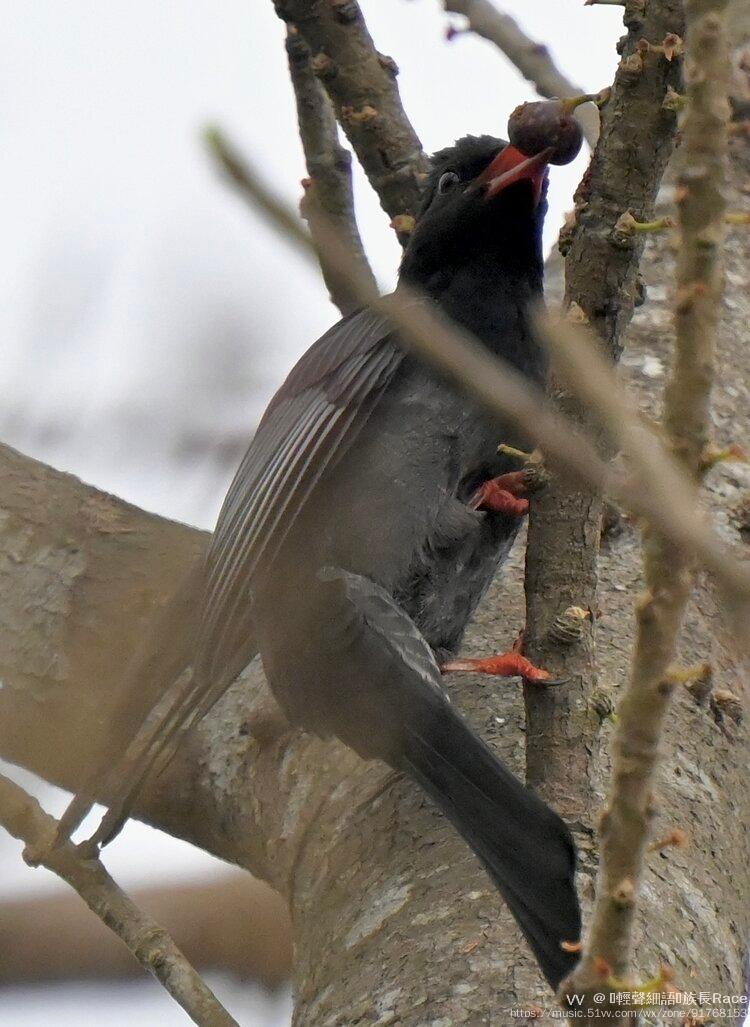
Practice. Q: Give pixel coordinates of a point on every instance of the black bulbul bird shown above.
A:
(365, 523)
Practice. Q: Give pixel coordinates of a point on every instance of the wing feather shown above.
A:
(310, 423)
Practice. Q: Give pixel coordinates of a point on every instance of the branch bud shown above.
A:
(671, 46)
(388, 64)
(567, 627)
(403, 224)
(713, 455)
(602, 703)
(674, 101)
(623, 895)
(726, 703)
(323, 66)
(627, 225)
(359, 117)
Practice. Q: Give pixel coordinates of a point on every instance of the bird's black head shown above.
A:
(484, 207)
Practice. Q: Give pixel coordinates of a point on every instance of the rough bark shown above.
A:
(362, 86)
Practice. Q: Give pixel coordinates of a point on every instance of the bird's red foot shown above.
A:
(503, 494)
(506, 665)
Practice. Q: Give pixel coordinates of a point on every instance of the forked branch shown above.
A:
(23, 817)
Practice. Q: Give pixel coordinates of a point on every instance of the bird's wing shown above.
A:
(310, 423)
(389, 621)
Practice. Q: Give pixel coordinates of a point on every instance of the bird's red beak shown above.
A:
(511, 166)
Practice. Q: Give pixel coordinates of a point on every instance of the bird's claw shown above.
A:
(507, 665)
(504, 494)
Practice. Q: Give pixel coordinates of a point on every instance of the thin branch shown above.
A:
(601, 277)
(532, 59)
(667, 568)
(22, 816)
(362, 86)
(329, 166)
(507, 394)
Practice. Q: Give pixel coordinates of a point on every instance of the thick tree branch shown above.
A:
(362, 86)
(668, 574)
(149, 943)
(532, 59)
(601, 278)
(359, 856)
(329, 166)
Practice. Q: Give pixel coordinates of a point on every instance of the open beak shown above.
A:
(511, 166)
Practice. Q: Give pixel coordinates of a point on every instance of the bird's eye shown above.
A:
(447, 181)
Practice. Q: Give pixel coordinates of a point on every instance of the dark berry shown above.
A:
(534, 127)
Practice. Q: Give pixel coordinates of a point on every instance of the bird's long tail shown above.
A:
(401, 713)
(524, 845)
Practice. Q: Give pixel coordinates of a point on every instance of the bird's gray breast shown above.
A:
(453, 571)
(460, 549)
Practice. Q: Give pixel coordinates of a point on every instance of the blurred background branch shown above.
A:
(232, 923)
(668, 570)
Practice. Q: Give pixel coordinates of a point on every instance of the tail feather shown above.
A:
(401, 713)
(525, 846)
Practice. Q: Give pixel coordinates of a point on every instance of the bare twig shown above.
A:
(667, 568)
(329, 165)
(532, 59)
(505, 392)
(602, 279)
(23, 817)
(362, 86)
